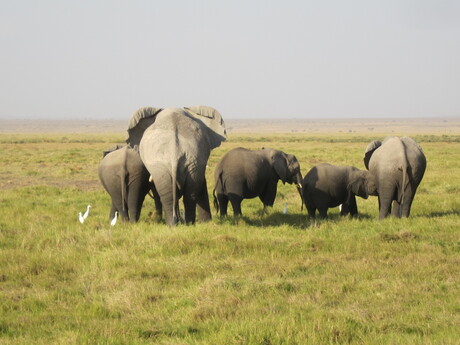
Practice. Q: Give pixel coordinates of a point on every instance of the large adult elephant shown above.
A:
(175, 144)
(245, 174)
(396, 167)
(125, 178)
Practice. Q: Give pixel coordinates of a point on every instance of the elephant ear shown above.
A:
(213, 121)
(113, 148)
(280, 164)
(369, 151)
(139, 122)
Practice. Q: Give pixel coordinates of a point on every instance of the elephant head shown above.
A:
(213, 120)
(362, 184)
(374, 145)
(139, 122)
(357, 184)
(287, 167)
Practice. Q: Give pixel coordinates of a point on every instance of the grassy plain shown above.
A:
(267, 279)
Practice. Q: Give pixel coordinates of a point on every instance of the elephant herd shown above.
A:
(166, 155)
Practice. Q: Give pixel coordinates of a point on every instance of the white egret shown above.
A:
(87, 212)
(114, 220)
(80, 218)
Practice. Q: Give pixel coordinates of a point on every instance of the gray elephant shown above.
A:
(246, 174)
(125, 178)
(326, 186)
(174, 145)
(396, 167)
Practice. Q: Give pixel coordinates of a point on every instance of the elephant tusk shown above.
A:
(150, 178)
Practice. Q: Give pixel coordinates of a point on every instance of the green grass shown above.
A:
(265, 279)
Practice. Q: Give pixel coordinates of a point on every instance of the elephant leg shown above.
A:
(202, 204)
(122, 209)
(164, 185)
(124, 215)
(190, 208)
(384, 206)
(113, 209)
(266, 209)
(223, 204)
(158, 205)
(133, 215)
(353, 206)
(196, 197)
(322, 212)
(405, 212)
(236, 200)
(134, 211)
(170, 219)
(269, 195)
(345, 209)
(396, 209)
(310, 206)
(136, 198)
(409, 195)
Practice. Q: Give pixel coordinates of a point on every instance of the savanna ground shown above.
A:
(267, 279)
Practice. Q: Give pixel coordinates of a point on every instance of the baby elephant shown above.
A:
(245, 174)
(327, 185)
(126, 179)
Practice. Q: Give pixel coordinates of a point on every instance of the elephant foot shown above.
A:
(314, 223)
(239, 221)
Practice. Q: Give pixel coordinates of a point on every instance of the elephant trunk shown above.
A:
(124, 199)
(299, 188)
(175, 211)
(216, 203)
(371, 188)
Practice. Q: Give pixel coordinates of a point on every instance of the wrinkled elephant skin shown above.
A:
(396, 167)
(126, 179)
(326, 186)
(245, 174)
(175, 148)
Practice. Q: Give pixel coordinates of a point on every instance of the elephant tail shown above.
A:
(216, 203)
(124, 184)
(220, 186)
(123, 178)
(302, 192)
(404, 181)
(405, 178)
(175, 215)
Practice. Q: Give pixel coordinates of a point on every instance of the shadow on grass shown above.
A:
(295, 220)
(439, 214)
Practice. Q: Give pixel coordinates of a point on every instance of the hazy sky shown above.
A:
(246, 58)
